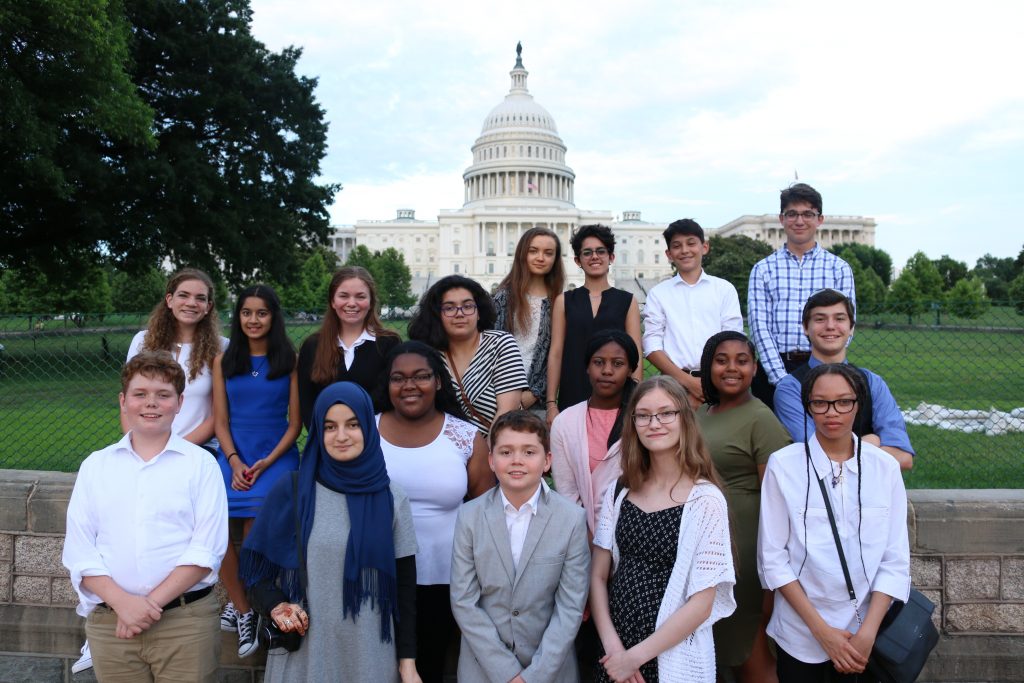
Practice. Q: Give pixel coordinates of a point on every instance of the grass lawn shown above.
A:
(58, 392)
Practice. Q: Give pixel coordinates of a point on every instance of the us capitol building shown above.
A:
(519, 179)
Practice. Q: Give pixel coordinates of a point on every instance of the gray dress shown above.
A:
(336, 649)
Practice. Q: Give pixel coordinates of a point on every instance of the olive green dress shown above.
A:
(740, 439)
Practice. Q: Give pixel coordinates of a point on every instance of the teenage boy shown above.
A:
(147, 527)
(683, 312)
(781, 282)
(828, 322)
(520, 566)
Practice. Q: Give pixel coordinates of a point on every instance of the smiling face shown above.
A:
(149, 405)
(828, 330)
(800, 231)
(832, 424)
(190, 302)
(732, 369)
(351, 302)
(343, 437)
(518, 460)
(412, 386)
(608, 371)
(656, 436)
(686, 252)
(462, 325)
(594, 258)
(255, 317)
(540, 256)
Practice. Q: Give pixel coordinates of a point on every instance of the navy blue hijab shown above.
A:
(269, 552)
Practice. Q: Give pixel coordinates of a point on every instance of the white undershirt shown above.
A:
(350, 351)
(518, 521)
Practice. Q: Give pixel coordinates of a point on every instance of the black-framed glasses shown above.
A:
(600, 251)
(819, 406)
(420, 379)
(451, 310)
(792, 215)
(665, 418)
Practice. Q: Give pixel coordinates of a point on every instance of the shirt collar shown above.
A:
(364, 336)
(533, 502)
(810, 253)
(822, 465)
(703, 278)
(174, 445)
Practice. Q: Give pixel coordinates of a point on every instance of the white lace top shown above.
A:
(528, 341)
(435, 479)
(703, 560)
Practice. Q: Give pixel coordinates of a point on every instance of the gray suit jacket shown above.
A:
(519, 621)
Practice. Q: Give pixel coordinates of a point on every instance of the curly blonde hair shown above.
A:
(162, 328)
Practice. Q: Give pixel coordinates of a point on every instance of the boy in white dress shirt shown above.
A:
(146, 531)
(683, 312)
(520, 566)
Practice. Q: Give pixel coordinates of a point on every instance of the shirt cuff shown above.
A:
(776, 577)
(896, 586)
(200, 557)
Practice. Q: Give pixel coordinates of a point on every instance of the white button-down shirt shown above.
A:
(791, 536)
(349, 352)
(680, 317)
(136, 520)
(518, 521)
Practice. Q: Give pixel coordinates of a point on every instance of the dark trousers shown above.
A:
(435, 628)
(762, 389)
(792, 670)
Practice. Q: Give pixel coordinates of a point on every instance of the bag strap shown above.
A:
(298, 531)
(462, 392)
(835, 533)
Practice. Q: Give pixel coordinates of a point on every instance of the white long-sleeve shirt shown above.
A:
(782, 543)
(136, 520)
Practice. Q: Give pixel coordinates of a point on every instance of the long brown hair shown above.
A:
(325, 362)
(162, 328)
(517, 282)
(693, 455)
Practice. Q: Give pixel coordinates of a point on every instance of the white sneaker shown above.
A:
(229, 618)
(247, 627)
(85, 661)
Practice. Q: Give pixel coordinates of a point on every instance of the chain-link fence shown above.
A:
(960, 383)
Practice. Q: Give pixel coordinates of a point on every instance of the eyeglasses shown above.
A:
(451, 310)
(665, 418)
(806, 215)
(841, 405)
(419, 379)
(600, 251)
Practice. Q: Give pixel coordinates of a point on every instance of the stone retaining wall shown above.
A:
(967, 548)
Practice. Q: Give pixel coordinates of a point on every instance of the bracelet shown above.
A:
(233, 454)
(549, 402)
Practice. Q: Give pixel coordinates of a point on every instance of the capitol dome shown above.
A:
(519, 155)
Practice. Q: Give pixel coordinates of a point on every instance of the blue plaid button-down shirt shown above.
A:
(780, 284)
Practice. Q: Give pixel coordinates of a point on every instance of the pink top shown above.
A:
(599, 426)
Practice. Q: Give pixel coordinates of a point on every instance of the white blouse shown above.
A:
(792, 536)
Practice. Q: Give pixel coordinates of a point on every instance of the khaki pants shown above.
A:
(184, 646)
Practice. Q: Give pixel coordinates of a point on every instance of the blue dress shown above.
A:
(258, 409)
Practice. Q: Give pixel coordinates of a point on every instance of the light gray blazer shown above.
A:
(519, 621)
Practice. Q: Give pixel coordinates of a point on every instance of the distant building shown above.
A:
(518, 180)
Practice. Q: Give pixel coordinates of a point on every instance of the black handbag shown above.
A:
(906, 635)
(267, 632)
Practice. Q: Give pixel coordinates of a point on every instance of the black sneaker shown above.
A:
(248, 626)
(229, 618)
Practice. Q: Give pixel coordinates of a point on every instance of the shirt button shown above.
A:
(515, 613)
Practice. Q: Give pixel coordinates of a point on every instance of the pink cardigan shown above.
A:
(570, 463)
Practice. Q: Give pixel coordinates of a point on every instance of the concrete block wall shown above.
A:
(967, 556)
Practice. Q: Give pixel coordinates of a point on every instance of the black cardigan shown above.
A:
(367, 371)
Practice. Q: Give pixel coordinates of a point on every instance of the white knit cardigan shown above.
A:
(703, 560)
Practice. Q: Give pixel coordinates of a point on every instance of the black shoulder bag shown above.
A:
(268, 634)
(906, 635)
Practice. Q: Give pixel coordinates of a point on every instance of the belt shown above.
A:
(796, 355)
(691, 373)
(181, 600)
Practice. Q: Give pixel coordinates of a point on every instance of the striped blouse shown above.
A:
(497, 367)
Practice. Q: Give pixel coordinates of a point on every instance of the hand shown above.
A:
(407, 671)
(253, 473)
(862, 642)
(288, 617)
(552, 412)
(694, 389)
(844, 656)
(621, 666)
(239, 482)
(135, 614)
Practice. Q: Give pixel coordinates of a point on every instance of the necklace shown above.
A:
(836, 478)
(256, 371)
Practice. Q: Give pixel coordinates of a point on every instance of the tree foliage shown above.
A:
(905, 296)
(307, 292)
(137, 292)
(870, 289)
(967, 298)
(996, 274)
(30, 290)
(390, 273)
(951, 271)
(1016, 293)
(874, 258)
(929, 281)
(732, 258)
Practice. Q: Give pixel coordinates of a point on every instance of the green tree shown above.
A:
(308, 291)
(732, 258)
(951, 271)
(967, 298)
(871, 290)
(905, 296)
(929, 281)
(996, 274)
(870, 257)
(137, 293)
(30, 290)
(394, 280)
(360, 256)
(1016, 293)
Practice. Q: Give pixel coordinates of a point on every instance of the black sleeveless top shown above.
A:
(580, 323)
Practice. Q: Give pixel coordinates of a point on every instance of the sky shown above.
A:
(909, 112)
